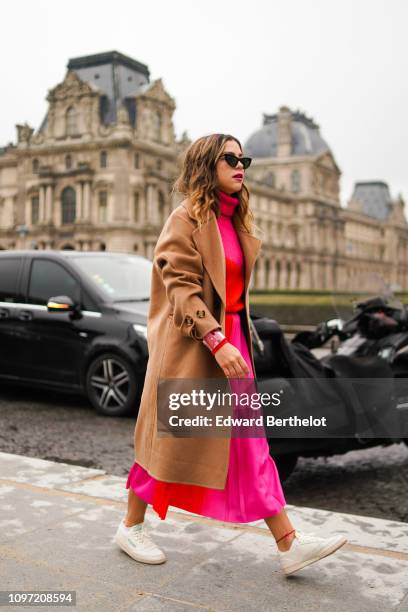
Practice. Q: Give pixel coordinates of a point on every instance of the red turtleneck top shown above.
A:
(234, 268)
(234, 259)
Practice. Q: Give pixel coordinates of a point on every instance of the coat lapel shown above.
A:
(209, 242)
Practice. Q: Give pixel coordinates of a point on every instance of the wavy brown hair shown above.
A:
(198, 180)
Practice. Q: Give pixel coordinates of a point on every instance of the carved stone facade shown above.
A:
(310, 241)
(97, 175)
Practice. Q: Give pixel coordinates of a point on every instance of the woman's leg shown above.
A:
(279, 524)
(137, 542)
(136, 509)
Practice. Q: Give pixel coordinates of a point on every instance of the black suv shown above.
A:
(76, 321)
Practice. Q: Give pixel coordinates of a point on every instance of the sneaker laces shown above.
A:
(141, 535)
(306, 537)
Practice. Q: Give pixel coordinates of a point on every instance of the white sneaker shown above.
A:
(306, 548)
(137, 543)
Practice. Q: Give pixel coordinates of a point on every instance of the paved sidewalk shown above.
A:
(57, 523)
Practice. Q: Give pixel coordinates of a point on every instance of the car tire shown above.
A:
(112, 385)
(285, 464)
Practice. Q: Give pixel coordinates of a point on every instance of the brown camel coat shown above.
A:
(187, 301)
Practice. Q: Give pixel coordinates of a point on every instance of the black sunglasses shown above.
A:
(232, 160)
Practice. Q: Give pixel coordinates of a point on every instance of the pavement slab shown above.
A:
(57, 527)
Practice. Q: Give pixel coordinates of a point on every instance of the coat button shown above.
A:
(189, 320)
(200, 313)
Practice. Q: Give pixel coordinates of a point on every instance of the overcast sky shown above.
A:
(342, 62)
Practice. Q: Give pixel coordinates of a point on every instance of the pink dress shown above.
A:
(253, 489)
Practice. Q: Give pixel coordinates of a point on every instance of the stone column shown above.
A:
(48, 203)
(308, 275)
(86, 201)
(303, 282)
(316, 281)
(272, 274)
(41, 211)
(152, 212)
(142, 206)
(147, 209)
(154, 204)
(264, 274)
(283, 275)
(294, 273)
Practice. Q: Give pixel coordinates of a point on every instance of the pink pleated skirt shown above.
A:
(252, 490)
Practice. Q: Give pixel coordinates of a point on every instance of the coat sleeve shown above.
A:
(181, 269)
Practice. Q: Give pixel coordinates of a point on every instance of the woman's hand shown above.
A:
(231, 361)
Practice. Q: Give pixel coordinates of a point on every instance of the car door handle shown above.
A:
(4, 313)
(25, 315)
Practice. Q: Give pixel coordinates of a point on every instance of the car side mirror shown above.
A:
(60, 303)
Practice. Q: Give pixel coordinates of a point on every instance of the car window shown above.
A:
(49, 279)
(119, 277)
(9, 273)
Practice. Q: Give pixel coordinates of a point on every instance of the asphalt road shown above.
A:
(37, 423)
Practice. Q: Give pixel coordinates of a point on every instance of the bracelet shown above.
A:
(213, 338)
(219, 345)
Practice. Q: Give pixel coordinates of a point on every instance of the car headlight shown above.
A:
(141, 329)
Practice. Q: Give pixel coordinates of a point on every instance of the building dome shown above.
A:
(374, 198)
(286, 133)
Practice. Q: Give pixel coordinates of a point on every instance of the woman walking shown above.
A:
(198, 327)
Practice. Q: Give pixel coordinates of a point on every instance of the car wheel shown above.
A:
(285, 465)
(111, 385)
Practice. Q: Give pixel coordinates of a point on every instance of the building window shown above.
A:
(136, 206)
(68, 205)
(103, 159)
(102, 246)
(71, 122)
(159, 164)
(35, 207)
(295, 181)
(68, 162)
(36, 165)
(103, 207)
(136, 160)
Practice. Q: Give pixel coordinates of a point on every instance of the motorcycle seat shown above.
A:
(368, 366)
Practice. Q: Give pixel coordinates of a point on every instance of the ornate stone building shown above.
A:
(310, 241)
(97, 174)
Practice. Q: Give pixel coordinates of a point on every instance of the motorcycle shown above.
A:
(369, 348)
